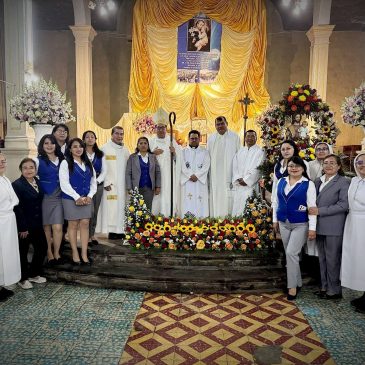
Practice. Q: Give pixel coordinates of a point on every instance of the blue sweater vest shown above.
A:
(48, 176)
(278, 174)
(145, 179)
(97, 163)
(292, 207)
(80, 181)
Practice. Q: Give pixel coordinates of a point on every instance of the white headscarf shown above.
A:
(355, 166)
(330, 149)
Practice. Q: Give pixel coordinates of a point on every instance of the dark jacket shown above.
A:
(29, 210)
(133, 171)
(332, 203)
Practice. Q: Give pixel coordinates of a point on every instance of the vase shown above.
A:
(40, 130)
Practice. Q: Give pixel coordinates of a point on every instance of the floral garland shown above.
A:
(274, 120)
(144, 124)
(252, 232)
(41, 103)
(353, 108)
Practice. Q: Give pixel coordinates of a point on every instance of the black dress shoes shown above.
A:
(94, 242)
(333, 297)
(291, 297)
(320, 293)
(5, 294)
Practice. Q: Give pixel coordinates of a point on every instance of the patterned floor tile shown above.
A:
(218, 329)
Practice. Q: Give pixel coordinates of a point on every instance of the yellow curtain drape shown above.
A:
(153, 80)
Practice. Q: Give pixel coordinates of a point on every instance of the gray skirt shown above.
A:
(75, 212)
(52, 210)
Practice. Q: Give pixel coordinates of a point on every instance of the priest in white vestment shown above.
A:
(195, 163)
(111, 213)
(10, 271)
(162, 147)
(245, 172)
(222, 147)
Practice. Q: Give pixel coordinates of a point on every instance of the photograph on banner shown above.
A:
(199, 50)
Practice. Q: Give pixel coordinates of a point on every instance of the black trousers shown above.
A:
(37, 239)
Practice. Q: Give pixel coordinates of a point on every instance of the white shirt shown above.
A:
(324, 182)
(65, 180)
(63, 148)
(103, 171)
(144, 158)
(311, 200)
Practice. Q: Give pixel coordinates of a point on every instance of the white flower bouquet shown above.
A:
(41, 103)
(353, 108)
(144, 124)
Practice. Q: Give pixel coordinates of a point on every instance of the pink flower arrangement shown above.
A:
(353, 108)
(144, 125)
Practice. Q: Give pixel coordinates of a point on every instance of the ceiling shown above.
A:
(347, 15)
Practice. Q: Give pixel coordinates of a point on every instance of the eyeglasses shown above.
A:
(322, 149)
(360, 163)
(294, 166)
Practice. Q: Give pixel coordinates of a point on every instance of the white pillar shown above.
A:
(18, 34)
(84, 35)
(319, 36)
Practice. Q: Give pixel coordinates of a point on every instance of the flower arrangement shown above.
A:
(275, 120)
(144, 124)
(41, 103)
(299, 99)
(249, 233)
(353, 108)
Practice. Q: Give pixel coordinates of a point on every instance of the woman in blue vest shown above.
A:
(295, 194)
(143, 172)
(48, 163)
(97, 158)
(78, 185)
(288, 149)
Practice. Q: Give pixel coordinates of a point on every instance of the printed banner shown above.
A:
(199, 50)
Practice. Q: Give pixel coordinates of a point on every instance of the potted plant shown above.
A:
(42, 105)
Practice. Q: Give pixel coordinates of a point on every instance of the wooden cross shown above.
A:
(246, 101)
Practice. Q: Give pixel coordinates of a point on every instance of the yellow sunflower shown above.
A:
(240, 227)
(274, 142)
(250, 228)
(275, 130)
(157, 227)
(326, 129)
(148, 226)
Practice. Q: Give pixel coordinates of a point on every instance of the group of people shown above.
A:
(314, 204)
(61, 190)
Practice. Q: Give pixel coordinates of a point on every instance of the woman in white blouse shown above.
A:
(78, 185)
(10, 271)
(353, 250)
(295, 193)
(97, 158)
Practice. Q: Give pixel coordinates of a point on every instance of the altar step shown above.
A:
(175, 271)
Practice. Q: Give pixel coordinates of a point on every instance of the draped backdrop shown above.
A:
(153, 79)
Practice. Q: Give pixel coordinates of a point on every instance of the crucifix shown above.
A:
(246, 101)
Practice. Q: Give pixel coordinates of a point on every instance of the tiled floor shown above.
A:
(65, 324)
(222, 330)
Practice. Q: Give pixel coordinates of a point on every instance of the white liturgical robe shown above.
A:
(194, 195)
(245, 164)
(10, 272)
(161, 203)
(111, 213)
(222, 149)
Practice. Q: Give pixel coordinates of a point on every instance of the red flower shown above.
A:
(293, 108)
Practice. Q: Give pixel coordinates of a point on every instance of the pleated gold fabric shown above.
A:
(153, 80)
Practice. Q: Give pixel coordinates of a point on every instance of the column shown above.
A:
(84, 35)
(319, 36)
(18, 34)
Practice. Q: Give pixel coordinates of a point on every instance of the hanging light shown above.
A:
(103, 11)
(111, 5)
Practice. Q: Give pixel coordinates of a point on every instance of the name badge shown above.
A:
(112, 197)
(302, 208)
(110, 157)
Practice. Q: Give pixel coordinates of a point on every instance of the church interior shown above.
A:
(117, 62)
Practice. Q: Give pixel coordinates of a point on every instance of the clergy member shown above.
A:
(195, 163)
(162, 148)
(111, 217)
(245, 172)
(222, 147)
